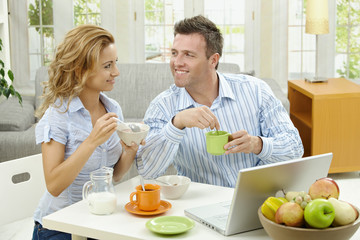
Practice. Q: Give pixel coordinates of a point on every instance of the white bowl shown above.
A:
(129, 136)
(179, 185)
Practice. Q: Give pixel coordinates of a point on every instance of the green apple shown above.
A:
(319, 213)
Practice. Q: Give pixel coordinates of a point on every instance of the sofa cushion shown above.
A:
(15, 117)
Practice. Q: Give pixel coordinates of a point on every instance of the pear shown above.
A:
(345, 213)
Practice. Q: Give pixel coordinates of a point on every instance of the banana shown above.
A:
(270, 206)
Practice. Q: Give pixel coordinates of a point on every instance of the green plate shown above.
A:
(170, 224)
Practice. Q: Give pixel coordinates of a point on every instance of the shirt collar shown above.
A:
(76, 104)
(225, 91)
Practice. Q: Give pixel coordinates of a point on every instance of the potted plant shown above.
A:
(5, 88)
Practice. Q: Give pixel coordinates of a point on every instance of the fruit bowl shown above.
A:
(281, 232)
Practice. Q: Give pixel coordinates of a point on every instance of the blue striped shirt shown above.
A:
(244, 103)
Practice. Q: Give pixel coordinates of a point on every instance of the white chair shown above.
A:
(18, 201)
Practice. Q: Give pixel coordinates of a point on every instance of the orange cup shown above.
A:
(148, 200)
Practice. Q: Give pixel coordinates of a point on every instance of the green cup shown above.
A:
(215, 142)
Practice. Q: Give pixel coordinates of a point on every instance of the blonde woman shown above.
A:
(77, 125)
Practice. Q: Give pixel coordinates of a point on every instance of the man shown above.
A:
(202, 99)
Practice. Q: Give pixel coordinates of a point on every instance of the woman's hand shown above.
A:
(133, 148)
(104, 127)
(126, 160)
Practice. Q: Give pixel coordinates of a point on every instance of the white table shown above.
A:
(77, 220)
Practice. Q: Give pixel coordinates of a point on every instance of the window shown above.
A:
(160, 17)
(229, 16)
(41, 34)
(301, 46)
(347, 59)
(339, 50)
(41, 28)
(87, 12)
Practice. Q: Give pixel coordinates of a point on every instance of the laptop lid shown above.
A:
(255, 184)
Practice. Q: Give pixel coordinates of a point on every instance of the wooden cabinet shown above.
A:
(327, 116)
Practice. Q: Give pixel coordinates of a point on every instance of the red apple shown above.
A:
(324, 188)
(290, 214)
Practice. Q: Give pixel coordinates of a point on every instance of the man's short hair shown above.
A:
(201, 25)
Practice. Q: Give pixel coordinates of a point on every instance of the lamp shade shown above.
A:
(317, 17)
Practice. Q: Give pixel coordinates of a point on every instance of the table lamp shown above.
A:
(317, 22)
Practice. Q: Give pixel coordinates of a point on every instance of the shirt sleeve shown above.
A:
(53, 125)
(281, 139)
(162, 143)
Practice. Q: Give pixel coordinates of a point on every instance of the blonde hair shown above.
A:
(74, 62)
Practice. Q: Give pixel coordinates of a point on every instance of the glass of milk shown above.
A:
(99, 192)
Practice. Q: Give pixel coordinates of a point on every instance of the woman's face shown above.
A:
(105, 71)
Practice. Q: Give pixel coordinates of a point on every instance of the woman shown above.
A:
(78, 122)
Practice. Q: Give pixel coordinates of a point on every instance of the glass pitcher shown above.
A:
(99, 192)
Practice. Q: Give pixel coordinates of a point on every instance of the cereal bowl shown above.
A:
(173, 186)
(281, 232)
(128, 136)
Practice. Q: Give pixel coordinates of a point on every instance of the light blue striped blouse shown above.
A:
(244, 103)
(71, 129)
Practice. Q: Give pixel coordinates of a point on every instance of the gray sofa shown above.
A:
(136, 86)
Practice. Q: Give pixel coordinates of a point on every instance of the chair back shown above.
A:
(22, 185)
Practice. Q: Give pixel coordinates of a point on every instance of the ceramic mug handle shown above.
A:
(132, 198)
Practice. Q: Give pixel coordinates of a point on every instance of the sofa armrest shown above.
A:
(15, 117)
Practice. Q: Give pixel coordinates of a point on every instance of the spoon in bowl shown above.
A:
(131, 126)
(134, 128)
(166, 183)
(122, 124)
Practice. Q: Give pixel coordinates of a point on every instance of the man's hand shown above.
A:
(200, 117)
(241, 141)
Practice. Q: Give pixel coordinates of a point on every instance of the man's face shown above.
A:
(189, 64)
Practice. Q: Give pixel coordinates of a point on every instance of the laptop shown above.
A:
(254, 185)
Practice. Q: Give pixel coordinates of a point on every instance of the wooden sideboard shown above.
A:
(327, 116)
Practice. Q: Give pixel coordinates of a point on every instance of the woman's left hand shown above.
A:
(133, 148)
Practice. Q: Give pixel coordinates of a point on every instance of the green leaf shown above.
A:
(17, 94)
(2, 72)
(11, 75)
(6, 92)
(3, 83)
(12, 90)
(2, 63)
